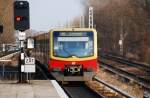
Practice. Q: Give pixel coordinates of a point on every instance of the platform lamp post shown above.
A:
(21, 23)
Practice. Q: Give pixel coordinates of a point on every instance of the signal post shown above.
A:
(21, 23)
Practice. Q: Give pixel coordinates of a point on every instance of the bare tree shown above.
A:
(129, 17)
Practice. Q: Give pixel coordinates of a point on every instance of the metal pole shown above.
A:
(20, 63)
(121, 36)
(19, 69)
(22, 77)
(27, 76)
(3, 70)
(91, 17)
(82, 21)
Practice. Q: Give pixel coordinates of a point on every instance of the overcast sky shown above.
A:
(47, 14)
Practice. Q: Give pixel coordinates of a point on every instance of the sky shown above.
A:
(47, 14)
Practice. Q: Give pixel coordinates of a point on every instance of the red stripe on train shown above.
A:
(87, 64)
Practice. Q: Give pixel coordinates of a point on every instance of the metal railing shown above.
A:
(8, 75)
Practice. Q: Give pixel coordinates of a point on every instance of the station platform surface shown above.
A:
(36, 89)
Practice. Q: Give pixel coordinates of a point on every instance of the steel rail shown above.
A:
(80, 91)
(123, 93)
(125, 74)
(126, 61)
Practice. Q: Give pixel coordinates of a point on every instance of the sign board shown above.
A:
(22, 44)
(22, 36)
(29, 65)
(120, 42)
(22, 68)
(3, 47)
(29, 68)
(30, 43)
(29, 61)
(22, 56)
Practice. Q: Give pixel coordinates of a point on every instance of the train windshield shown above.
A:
(73, 44)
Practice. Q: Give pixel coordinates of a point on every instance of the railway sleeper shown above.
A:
(107, 92)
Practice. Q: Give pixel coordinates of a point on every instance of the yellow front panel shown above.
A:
(73, 58)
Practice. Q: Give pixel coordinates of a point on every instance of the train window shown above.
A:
(70, 44)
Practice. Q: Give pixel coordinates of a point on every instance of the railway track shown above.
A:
(127, 69)
(122, 60)
(80, 90)
(2, 54)
(44, 70)
(74, 89)
(110, 91)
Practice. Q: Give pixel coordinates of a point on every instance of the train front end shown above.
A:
(73, 54)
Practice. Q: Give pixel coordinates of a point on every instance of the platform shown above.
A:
(37, 89)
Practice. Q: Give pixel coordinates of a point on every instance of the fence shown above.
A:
(8, 75)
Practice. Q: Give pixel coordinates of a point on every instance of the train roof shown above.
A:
(73, 29)
(42, 36)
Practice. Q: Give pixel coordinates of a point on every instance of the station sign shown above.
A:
(29, 66)
(29, 61)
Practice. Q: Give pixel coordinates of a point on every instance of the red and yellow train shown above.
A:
(71, 53)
